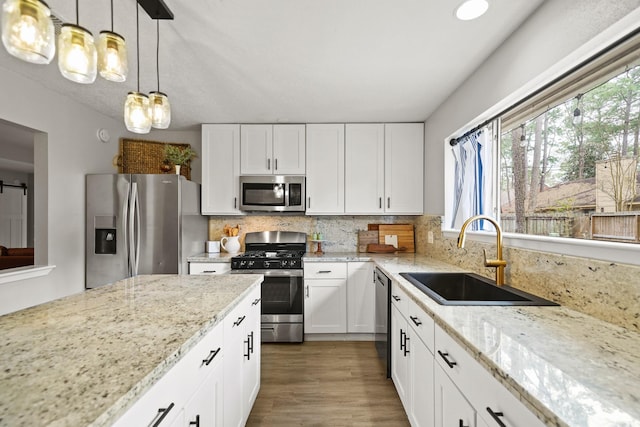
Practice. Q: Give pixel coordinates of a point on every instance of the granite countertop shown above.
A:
(569, 368)
(211, 257)
(84, 359)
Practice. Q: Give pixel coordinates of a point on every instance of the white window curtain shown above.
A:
(472, 182)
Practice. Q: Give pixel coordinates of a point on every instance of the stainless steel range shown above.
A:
(278, 256)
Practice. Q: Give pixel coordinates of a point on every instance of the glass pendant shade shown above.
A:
(77, 55)
(112, 57)
(27, 31)
(160, 110)
(137, 113)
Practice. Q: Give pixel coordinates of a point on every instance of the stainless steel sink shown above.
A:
(470, 289)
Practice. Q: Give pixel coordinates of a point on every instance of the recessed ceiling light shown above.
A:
(471, 9)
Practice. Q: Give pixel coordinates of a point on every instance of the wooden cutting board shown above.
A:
(403, 231)
(365, 238)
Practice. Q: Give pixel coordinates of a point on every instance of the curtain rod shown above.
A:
(23, 186)
(454, 141)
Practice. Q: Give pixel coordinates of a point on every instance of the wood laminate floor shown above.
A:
(325, 384)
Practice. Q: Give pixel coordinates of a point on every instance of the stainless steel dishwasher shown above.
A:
(383, 319)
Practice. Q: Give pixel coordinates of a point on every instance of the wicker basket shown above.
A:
(140, 156)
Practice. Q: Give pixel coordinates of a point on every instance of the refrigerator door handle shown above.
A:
(125, 226)
(134, 229)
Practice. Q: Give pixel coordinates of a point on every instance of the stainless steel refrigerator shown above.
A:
(141, 224)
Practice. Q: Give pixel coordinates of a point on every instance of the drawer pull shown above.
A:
(196, 422)
(212, 355)
(256, 301)
(237, 322)
(396, 298)
(162, 413)
(209, 271)
(415, 320)
(462, 424)
(446, 359)
(496, 416)
(324, 271)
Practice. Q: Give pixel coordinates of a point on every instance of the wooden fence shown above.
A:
(619, 226)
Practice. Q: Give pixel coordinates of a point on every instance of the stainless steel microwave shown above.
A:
(273, 193)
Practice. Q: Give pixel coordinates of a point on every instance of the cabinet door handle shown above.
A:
(196, 422)
(402, 341)
(212, 355)
(237, 322)
(462, 424)
(309, 204)
(388, 202)
(415, 320)
(396, 297)
(162, 413)
(379, 202)
(276, 164)
(235, 203)
(307, 290)
(450, 363)
(406, 347)
(269, 164)
(496, 416)
(256, 301)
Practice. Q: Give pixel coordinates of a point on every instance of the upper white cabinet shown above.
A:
(325, 169)
(220, 169)
(384, 168)
(404, 168)
(272, 149)
(364, 168)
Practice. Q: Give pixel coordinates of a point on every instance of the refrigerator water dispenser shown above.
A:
(105, 241)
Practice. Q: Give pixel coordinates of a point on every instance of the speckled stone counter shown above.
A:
(211, 257)
(568, 368)
(84, 359)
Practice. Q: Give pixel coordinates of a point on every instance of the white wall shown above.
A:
(66, 151)
(551, 38)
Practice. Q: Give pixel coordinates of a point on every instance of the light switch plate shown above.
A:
(391, 239)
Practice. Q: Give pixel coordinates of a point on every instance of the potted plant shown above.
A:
(178, 156)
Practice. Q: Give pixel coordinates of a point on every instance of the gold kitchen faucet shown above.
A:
(498, 263)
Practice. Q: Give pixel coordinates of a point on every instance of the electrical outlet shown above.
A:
(430, 237)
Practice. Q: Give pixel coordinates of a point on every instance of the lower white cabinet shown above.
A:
(360, 298)
(439, 383)
(325, 297)
(215, 383)
(242, 360)
(209, 267)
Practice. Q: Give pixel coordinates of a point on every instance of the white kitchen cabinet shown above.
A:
(191, 389)
(325, 303)
(422, 383)
(384, 168)
(272, 149)
(364, 168)
(360, 298)
(325, 169)
(220, 169)
(400, 351)
(451, 407)
(479, 387)
(209, 267)
(242, 360)
(404, 168)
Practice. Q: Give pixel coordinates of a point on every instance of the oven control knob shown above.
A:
(243, 264)
(251, 263)
(285, 263)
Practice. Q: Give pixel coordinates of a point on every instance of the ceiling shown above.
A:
(290, 61)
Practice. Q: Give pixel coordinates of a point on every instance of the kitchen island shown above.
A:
(85, 359)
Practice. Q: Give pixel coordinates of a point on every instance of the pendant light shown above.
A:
(160, 107)
(77, 56)
(112, 55)
(137, 113)
(27, 30)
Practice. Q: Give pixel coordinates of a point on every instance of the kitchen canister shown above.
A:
(212, 247)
